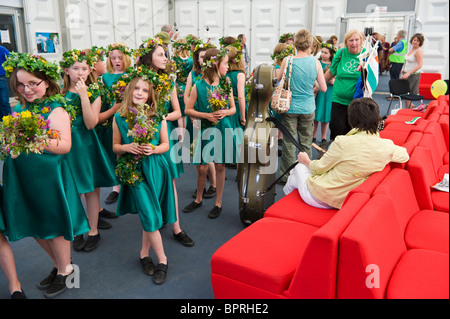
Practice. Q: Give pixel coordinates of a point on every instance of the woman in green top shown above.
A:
(214, 122)
(345, 66)
(41, 198)
(88, 160)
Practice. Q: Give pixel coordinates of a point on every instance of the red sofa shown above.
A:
(374, 262)
(426, 80)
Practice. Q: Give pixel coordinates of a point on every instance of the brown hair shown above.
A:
(53, 87)
(278, 49)
(303, 40)
(128, 98)
(197, 68)
(364, 115)
(211, 72)
(419, 37)
(235, 66)
(66, 78)
(181, 52)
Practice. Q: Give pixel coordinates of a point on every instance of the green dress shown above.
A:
(237, 116)
(189, 126)
(173, 159)
(153, 199)
(184, 66)
(42, 197)
(215, 143)
(323, 101)
(88, 159)
(104, 130)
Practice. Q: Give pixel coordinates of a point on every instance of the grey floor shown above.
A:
(112, 271)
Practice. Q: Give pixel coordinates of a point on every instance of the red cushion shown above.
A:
(373, 240)
(428, 229)
(371, 183)
(398, 124)
(444, 122)
(440, 200)
(292, 207)
(264, 255)
(426, 80)
(420, 274)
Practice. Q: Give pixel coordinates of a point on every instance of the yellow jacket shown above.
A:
(350, 160)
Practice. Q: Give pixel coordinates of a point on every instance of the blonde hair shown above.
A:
(350, 33)
(317, 44)
(127, 101)
(181, 52)
(125, 58)
(66, 79)
(303, 40)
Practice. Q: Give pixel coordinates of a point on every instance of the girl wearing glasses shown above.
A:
(40, 196)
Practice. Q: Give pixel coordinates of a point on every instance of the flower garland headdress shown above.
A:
(237, 45)
(147, 46)
(70, 57)
(181, 46)
(122, 48)
(191, 41)
(31, 63)
(289, 50)
(206, 45)
(98, 53)
(214, 59)
(329, 46)
(286, 36)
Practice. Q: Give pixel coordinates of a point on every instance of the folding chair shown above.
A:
(401, 89)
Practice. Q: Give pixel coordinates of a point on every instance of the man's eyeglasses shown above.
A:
(32, 85)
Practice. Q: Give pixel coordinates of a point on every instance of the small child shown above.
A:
(153, 198)
(91, 166)
(118, 61)
(215, 68)
(323, 99)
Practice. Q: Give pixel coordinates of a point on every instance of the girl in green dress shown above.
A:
(153, 199)
(88, 160)
(213, 123)
(194, 76)
(153, 55)
(118, 61)
(42, 198)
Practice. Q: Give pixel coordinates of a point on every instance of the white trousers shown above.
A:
(297, 180)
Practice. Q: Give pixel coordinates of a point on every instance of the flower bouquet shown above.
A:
(218, 97)
(25, 132)
(142, 129)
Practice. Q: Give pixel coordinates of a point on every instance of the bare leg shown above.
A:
(220, 175)
(93, 209)
(8, 265)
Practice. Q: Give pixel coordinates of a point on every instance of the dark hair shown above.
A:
(147, 59)
(197, 68)
(419, 37)
(364, 115)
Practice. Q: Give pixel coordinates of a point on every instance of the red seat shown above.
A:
(426, 229)
(279, 258)
(374, 262)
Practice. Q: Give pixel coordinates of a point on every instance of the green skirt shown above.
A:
(153, 199)
(40, 198)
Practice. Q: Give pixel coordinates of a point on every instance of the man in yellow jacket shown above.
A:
(349, 161)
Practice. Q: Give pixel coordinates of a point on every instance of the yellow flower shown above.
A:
(26, 114)
(6, 119)
(122, 83)
(45, 110)
(89, 94)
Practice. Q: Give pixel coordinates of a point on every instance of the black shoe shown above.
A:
(18, 295)
(194, 195)
(102, 224)
(210, 193)
(112, 197)
(107, 214)
(160, 274)
(189, 208)
(184, 239)
(45, 284)
(215, 212)
(58, 286)
(148, 266)
(92, 243)
(78, 243)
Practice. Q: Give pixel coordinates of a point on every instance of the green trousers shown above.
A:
(301, 126)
